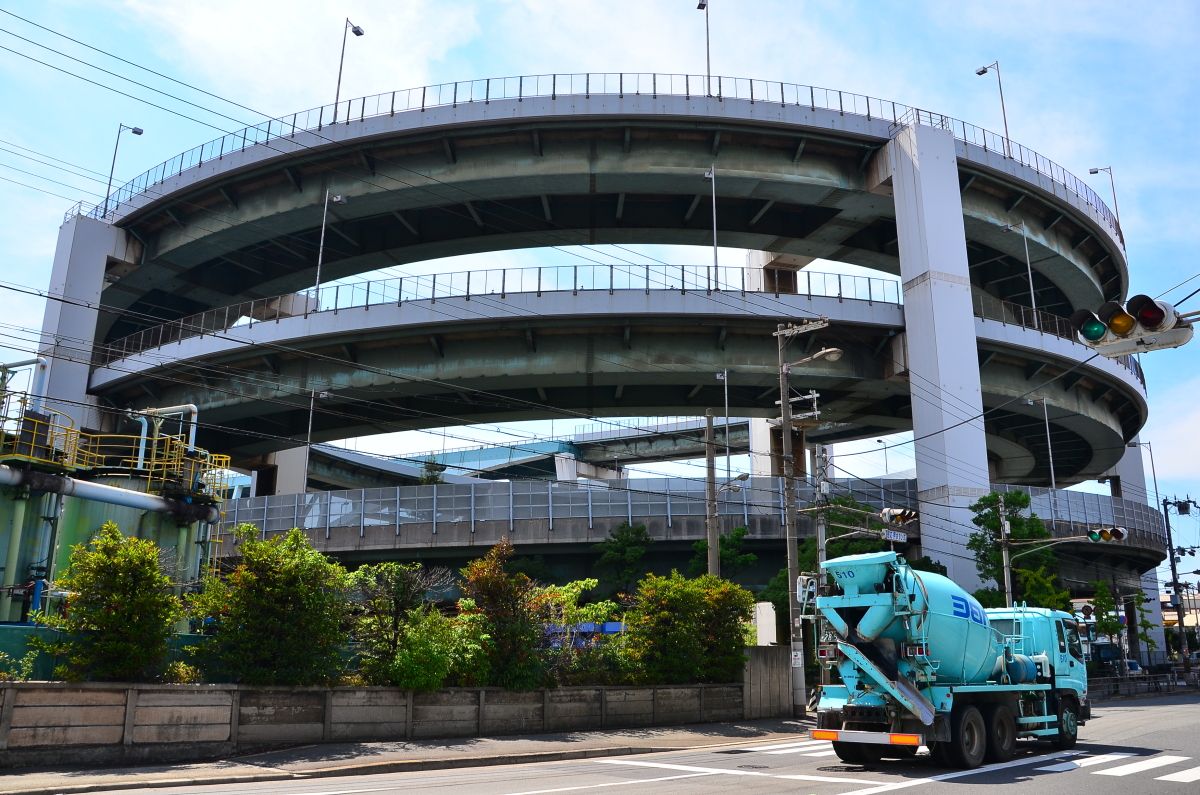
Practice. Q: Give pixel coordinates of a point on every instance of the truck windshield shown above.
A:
(1007, 627)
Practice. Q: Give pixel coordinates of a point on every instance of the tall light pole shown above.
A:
(702, 5)
(885, 460)
(1112, 183)
(723, 377)
(336, 199)
(113, 167)
(1037, 323)
(711, 174)
(349, 27)
(312, 400)
(1183, 644)
(983, 70)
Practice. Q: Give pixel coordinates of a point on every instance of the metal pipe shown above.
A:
(111, 495)
(183, 411)
(38, 387)
(141, 456)
(17, 527)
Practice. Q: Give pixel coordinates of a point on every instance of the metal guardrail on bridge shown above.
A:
(554, 86)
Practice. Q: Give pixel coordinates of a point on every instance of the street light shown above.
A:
(711, 174)
(336, 199)
(723, 377)
(357, 31)
(702, 5)
(1112, 183)
(312, 400)
(113, 167)
(983, 70)
(1029, 271)
(1049, 445)
(885, 461)
(829, 354)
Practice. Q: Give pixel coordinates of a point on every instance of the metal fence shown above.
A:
(489, 284)
(648, 500)
(553, 86)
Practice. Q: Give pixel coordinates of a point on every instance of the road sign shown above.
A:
(894, 535)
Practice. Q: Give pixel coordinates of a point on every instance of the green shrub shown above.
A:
(383, 596)
(181, 673)
(120, 611)
(426, 653)
(13, 669)
(682, 631)
(282, 616)
(471, 662)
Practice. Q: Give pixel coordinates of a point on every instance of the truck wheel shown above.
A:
(968, 738)
(1068, 725)
(1001, 733)
(857, 753)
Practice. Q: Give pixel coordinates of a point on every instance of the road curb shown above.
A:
(365, 769)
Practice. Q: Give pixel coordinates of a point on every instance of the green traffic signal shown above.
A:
(1093, 536)
(1093, 330)
(1097, 535)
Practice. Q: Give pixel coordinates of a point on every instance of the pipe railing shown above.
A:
(555, 86)
(491, 285)
(486, 286)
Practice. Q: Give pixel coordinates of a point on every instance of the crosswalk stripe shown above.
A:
(822, 753)
(1086, 761)
(779, 746)
(1138, 767)
(1183, 776)
(801, 748)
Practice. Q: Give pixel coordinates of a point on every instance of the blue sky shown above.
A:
(1086, 84)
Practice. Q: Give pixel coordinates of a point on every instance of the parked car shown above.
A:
(1134, 668)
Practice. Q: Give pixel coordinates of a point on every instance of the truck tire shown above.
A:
(968, 738)
(857, 753)
(1001, 733)
(1068, 725)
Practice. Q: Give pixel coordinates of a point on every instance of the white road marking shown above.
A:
(1183, 776)
(1086, 761)
(796, 744)
(801, 748)
(610, 784)
(694, 769)
(822, 753)
(917, 782)
(1138, 767)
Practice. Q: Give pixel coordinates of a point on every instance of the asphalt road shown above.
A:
(1147, 747)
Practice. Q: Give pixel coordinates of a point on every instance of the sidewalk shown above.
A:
(346, 759)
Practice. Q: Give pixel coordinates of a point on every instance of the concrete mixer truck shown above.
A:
(915, 660)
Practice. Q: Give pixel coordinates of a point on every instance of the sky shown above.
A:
(1087, 84)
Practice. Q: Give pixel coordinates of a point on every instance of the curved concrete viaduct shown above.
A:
(800, 173)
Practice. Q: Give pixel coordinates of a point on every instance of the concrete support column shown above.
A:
(943, 363)
(69, 326)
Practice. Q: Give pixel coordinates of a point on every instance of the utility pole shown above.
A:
(1175, 588)
(710, 496)
(795, 631)
(1004, 528)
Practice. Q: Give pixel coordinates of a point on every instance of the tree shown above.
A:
(505, 600)
(431, 473)
(1144, 624)
(1034, 581)
(120, 612)
(385, 596)
(1104, 608)
(282, 616)
(621, 555)
(729, 548)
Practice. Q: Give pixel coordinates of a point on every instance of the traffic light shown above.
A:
(1097, 535)
(1143, 324)
(900, 516)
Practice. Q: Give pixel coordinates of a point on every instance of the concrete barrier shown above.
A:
(59, 723)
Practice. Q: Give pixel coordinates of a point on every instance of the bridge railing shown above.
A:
(554, 86)
(496, 507)
(488, 286)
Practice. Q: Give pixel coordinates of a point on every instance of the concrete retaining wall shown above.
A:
(44, 723)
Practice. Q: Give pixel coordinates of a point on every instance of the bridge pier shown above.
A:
(940, 348)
